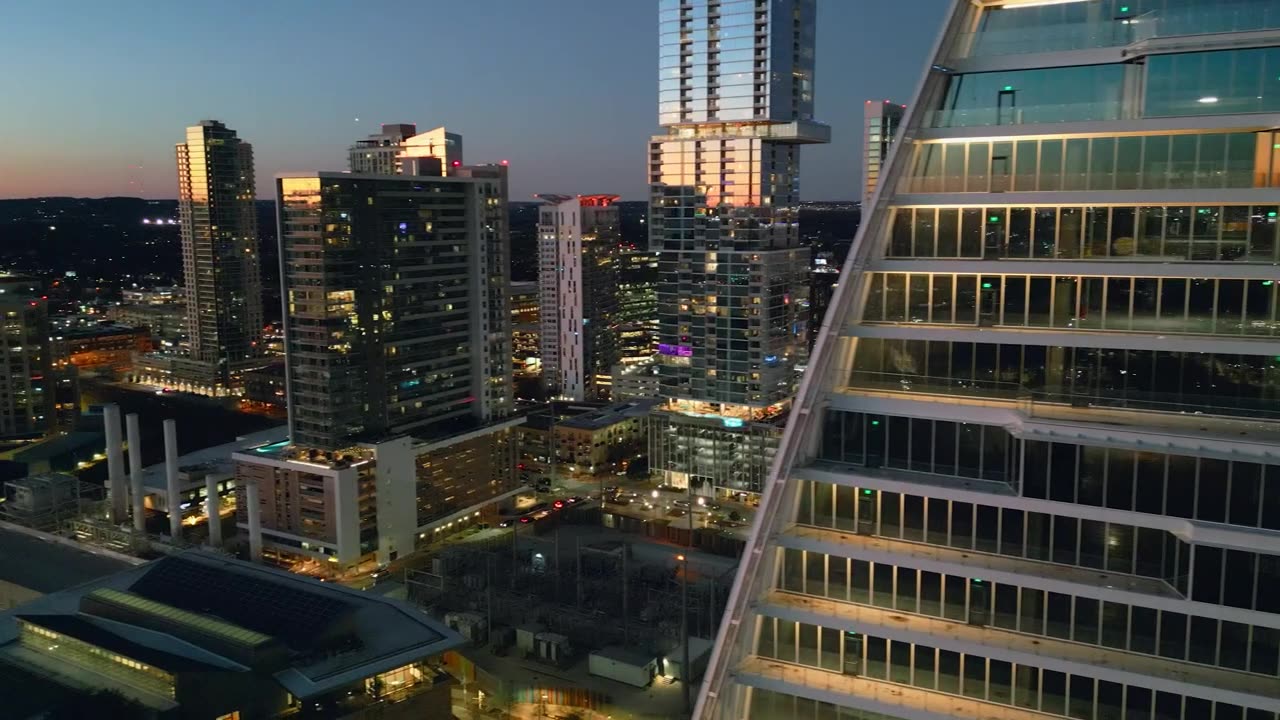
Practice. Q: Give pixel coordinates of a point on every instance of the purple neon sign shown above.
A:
(677, 350)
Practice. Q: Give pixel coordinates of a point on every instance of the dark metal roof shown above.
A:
(48, 566)
(282, 610)
(78, 627)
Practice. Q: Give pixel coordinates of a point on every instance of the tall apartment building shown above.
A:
(736, 100)
(379, 154)
(637, 317)
(398, 351)
(1033, 470)
(578, 285)
(526, 327)
(880, 125)
(26, 386)
(382, 153)
(220, 266)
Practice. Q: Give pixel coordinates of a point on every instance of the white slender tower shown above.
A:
(212, 512)
(137, 494)
(117, 489)
(172, 491)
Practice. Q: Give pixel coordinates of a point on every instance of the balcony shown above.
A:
(1056, 37)
(868, 694)
(1222, 17)
(1083, 581)
(1177, 403)
(1030, 114)
(1036, 651)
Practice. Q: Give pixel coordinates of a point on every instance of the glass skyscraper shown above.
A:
(220, 247)
(1034, 468)
(220, 266)
(736, 100)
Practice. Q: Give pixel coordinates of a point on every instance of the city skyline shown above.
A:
(132, 85)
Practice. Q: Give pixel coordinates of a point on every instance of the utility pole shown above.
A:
(488, 597)
(577, 557)
(626, 617)
(684, 631)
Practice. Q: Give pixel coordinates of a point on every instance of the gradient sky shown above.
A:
(95, 94)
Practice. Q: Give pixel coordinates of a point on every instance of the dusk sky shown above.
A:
(95, 94)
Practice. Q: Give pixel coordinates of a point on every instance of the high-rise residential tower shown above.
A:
(1033, 470)
(397, 329)
(438, 152)
(880, 124)
(219, 227)
(736, 101)
(380, 153)
(578, 254)
(26, 385)
(220, 265)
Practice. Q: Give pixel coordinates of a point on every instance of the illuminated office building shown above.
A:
(1034, 469)
(880, 123)
(402, 351)
(736, 102)
(578, 285)
(220, 266)
(637, 318)
(392, 342)
(26, 386)
(525, 327)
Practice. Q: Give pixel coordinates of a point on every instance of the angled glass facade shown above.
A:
(1034, 469)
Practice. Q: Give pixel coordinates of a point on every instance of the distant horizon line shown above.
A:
(258, 199)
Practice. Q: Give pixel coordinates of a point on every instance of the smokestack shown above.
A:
(252, 499)
(211, 511)
(172, 492)
(117, 491)
(136, 492)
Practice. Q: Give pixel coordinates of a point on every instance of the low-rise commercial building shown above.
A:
(370, 502)
(108, 347)
(202, 635)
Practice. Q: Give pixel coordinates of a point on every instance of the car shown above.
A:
(682, 504)
(526, 519)
(558, 504)
(713, 506)
(505, 523)
(611, 489)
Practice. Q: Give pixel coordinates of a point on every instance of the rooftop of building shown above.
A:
(103, 329)
(600, 418)
(189, 610)
(359, 450)
(626, 656)
(215, 459)
(37, 562)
